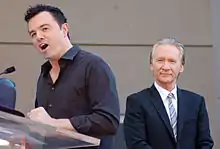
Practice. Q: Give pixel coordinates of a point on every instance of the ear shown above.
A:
(181, 68)
(65, 29)
(151, 67)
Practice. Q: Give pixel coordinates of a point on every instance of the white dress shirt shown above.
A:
(164, 93)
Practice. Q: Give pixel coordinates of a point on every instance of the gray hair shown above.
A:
(169, 41)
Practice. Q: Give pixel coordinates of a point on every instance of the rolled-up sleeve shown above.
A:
(103, 99)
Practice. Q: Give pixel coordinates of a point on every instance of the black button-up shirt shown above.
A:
(85, 92)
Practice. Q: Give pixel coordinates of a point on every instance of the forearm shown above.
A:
(63, 124)
(95, 124)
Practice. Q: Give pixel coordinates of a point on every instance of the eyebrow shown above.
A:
(31, 31)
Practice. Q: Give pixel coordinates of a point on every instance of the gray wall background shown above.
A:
(121, 32)
(216, 46)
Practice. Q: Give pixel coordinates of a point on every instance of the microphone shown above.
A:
(8, 70)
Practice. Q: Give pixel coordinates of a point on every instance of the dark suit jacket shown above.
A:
(146, 123)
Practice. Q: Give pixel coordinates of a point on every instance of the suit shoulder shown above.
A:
(139, 95)
(192, 95)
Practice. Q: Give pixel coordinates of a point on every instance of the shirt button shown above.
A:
(50, 105)
(52, 88)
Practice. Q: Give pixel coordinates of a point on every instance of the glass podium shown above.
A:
(17, 132)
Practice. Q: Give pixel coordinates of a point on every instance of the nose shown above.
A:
(39, 36)
(166, 66)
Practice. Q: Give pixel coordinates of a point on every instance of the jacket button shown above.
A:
(50, 105)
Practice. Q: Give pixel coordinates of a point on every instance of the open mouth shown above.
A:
(43, 47)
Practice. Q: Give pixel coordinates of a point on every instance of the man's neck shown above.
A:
(55, 62)
(168, 86)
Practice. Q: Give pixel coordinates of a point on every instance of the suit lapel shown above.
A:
(181, 112)
(158, 103)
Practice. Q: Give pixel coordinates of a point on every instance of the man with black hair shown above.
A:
(76, 90)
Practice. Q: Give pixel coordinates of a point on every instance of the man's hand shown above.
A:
(40, 115)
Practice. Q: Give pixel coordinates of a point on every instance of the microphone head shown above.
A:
(9, 70)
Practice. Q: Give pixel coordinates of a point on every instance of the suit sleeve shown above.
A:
(204, 139)
(134, 126)
(103, 100)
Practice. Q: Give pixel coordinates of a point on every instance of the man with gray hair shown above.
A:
(165, 116)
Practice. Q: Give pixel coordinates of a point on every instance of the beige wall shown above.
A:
(216, 46)
(122, 32)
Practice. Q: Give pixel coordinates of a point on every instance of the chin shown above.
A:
(48, 57)
(165, 81)
(51, 57)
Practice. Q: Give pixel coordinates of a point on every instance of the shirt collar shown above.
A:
(164, 93)
(71, 53)
(68, 56)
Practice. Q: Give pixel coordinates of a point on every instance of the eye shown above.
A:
(159, 60)
(45, 29)
(33, 35)
(173, 61)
